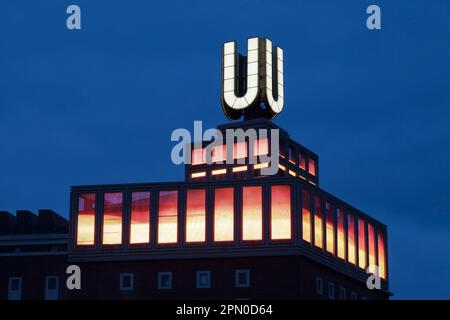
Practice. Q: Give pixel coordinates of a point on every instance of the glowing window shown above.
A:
(252, 213)
(219, 153)
(291, 156)
(260, 147)
(312, 166)
(306, 216)
(261, 165)
(140, 217)
(340, 233)
(112, 218)
(362, 244)
(240, 169)
(292, 173)
(224, 214)
(318, 223)
(280, 166)
(240, 150)
(218, 172)
(381, 255)
(198, 156)
(351, 239)
(86, 219)
(195, 215)
(329, 227)
(280, 212)
(371, 235)
(198, 174)
(167, 217)
(302, 161)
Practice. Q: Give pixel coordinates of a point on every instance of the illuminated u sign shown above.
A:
(252, 86)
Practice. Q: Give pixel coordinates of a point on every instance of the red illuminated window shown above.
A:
(318, 223)
(312, 166)
(86, 219)
(280, 212)
(252, 213)
(362, 244)
(340, 233)
(351, 239)
(167, 217)
(260, 146)
(381, 255)
(329, 219)
(198, 156)
(302, 161)
(219, 153)
(140, 218)
(306, 216)
(240, 150)
(371, 236)
(195, 215)
(112, 218)
(224, 214)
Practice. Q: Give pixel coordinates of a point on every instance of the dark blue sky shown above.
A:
(99, 105)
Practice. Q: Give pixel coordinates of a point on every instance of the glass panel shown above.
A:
(362, 243)
(318, 223)
(329, 227)
(351, 239)
(140, 218)
(302, 161)
(224, 214)
(280, 212)
(312, 166)
(381, 255)
(86, 219)
(219, 153)
(240, 150)
(306, 215)
(340, 233)
(167, 217)
(252, 213)
(371, 231)
(195, 215)
(291, 156)
(260, 146)
(112, 218)
(197, 156)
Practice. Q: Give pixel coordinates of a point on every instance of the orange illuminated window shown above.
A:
(302, 161)
(224, 214)
(198, 156)
(318, 222)
(381, 255)
(260, 147)
(280, 212)
(329, 224)
(195, 215)
(340, 233)
(306, 216)
(240, 150)
(140, 217)
(312, 166)
(362, 243)
(252, 213)
(351, 239)
(86, 219)
(167, 217)
(219, 153)
(198, 174)
(371, 236)
(112, 218)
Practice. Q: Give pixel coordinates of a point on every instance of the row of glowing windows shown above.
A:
(317, 228)
(260, 147)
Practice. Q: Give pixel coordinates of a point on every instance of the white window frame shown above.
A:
(122, 282)
(319, 288)
(160, 275)
(19, 290)
(342, 293)
(331, 289)
(46, 293)
(199, 277)
(236, 278)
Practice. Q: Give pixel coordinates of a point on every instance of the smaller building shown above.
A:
(33, 255)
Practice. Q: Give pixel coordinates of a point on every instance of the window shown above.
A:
(381, 255)
(306, 215)
(329, 227)
(219, 153)
(51, 288)
(240, 150)
(140, 218)
(15, 288)
(86, 219)
(242, 278)
(252, 213)
(331, 291)
(112, 218)
(167, 217)
(280, 212)
(203, 279)
(362, 243)
(195, 215)
(291, 155)
(260, 146)
(354, 296)
(164, 280)
(302, 161)
(319, 286)
(198, 156)
(312, 166)
(224, 214)
(342, 293)
(351, 239)
(371, 235)
(126, 282)
(318, 223)
(340, 233)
